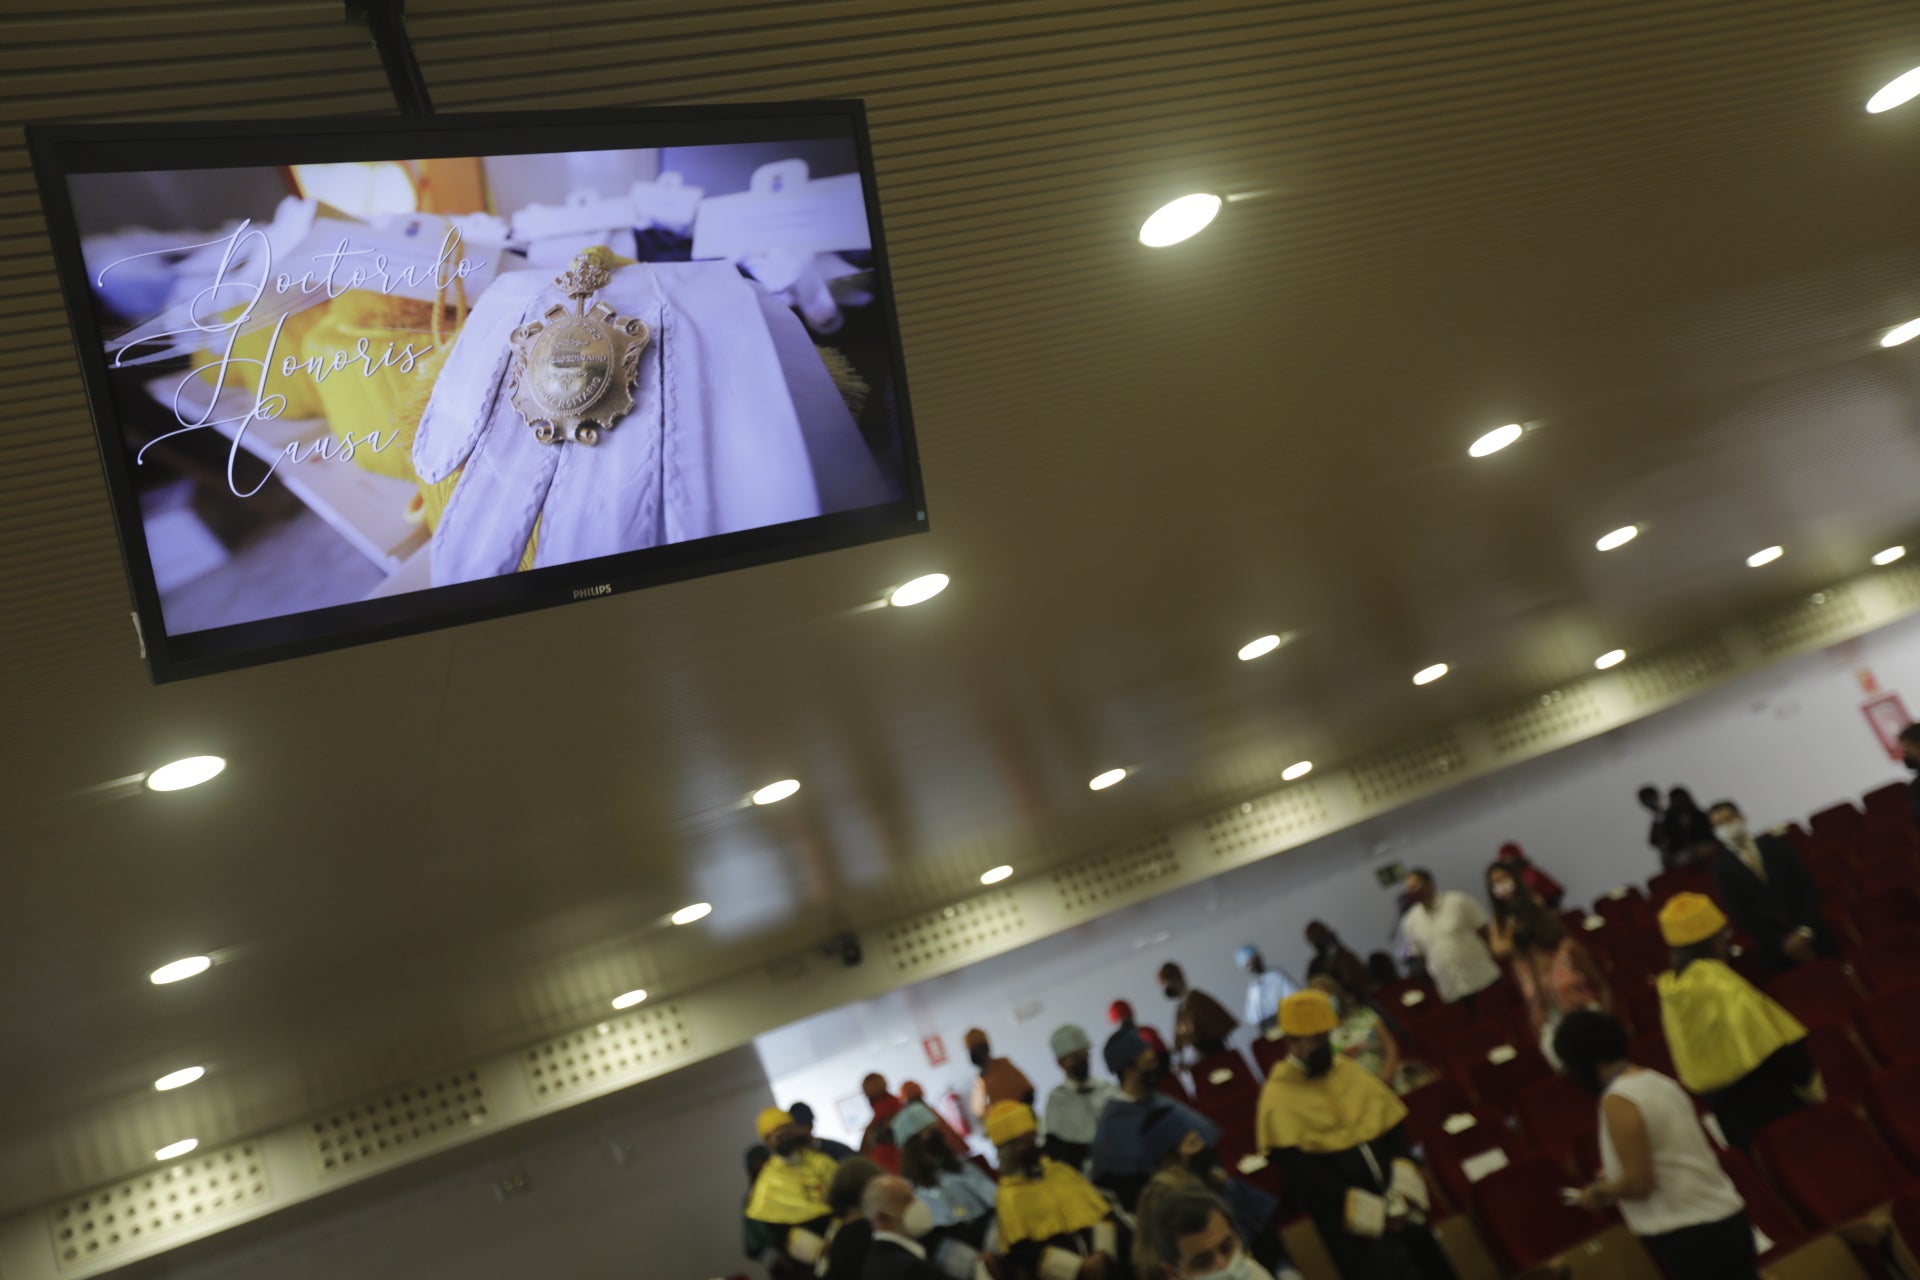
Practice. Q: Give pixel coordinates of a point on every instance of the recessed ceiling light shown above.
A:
(1618, 538)
(1768, 556)
(1179, 220)
(693, 911)
(1300, 770)
(186, 1146)
(775, 792)
(1889, 555)
(628, 999)
(1902, 88)
(182, 774)
(919, 591)
(1107, 779)
(1496, 440)
(179, 1079)
(1901, 333)
(180, 970)
(996, 875)
(1611, 658)
(1427, 675)
(1258, 648)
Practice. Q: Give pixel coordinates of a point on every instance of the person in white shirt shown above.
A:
(1074, 1107)
(1446, 931)
(1266, 988)
(1656, 1163)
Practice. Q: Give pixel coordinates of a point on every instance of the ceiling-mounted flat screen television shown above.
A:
(356, 378)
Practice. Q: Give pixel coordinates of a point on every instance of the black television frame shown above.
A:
(58, 150)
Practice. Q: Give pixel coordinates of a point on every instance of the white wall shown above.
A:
(1783, 742)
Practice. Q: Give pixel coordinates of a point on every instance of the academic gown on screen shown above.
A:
(736, 424)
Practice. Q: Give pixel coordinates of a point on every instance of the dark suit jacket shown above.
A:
(888, 1261)
(1767, 911)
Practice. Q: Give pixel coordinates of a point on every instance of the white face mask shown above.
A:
(1731, 832)
(918, 1219)
(1503, 889)
(1241, 1268)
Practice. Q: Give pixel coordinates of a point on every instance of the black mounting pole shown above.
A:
(387, 21)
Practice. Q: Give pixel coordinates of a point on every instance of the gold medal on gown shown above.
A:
(574, 371)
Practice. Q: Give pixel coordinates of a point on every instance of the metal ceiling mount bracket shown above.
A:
(387, 21)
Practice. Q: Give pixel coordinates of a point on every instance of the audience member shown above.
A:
(1744, 1055)
(849, 1234)
(1200, 1022)
(1689, 830)
(1365, 1037)
(1053, 1225)
(959, 1196)
(803, 1121)
(1120, 1014)
(1768, 893)
(1443, 929)
(1507, 895)
(953, 1126)
(1338, 1138)
(1381, 969)
(1657, 835)
(1557, 975)
(1656, 1163)
(877, 1142)
(1544, 886)
(1074, 1106)
(998, 1081)
(1910, 755)
(900, 1220)
(1331, 957)
(1266, 988)
(787, 1212)
(1188, 1234)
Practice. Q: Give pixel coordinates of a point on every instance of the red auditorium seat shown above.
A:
(1555, 1113)
(1798, 836)
(1464, 1052)
(1819, 994)
(1628, 912)
(1437, 1024)
(1842, 1066)
(1499, 1003)
(1171, 1086)
(1891, 1023)
(1269, 1053)
(1888, 875)
(1223, 1080)
(1641, 1004)
(1520, 1207)
(1830, 1165)
(1429, 1106)
(1461, 1158)
(1888, 803)
(1893, 1103)
(1890, 961)
(1840, 821)
(1650, 1051)
(1497, 1084)
(1905, 1241)
(1891, 912)
(1239, 1142)
(1769, 1213)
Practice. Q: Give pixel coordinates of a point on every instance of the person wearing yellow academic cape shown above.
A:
(1733, 1046)
(787, 1215)
(1053, 1224)
(1337, 1135)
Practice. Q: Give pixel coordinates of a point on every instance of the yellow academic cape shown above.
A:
(1719, 1026)
(1059, 1202)
(1344, 1108)
(789, 1194)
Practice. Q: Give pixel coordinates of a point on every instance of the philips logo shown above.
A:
(588, 593)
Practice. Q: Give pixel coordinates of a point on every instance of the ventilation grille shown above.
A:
(1550, 717)
(1409, 769)
(1098, 883)
(1672, 672)
(176, 1198)
(955, 934)
(390, 1128)
(632, 1046)
(1270, 823)
(1803, 624)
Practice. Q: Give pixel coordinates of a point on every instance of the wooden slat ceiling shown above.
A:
(1665, 235)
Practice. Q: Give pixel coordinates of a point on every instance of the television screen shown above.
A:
(356, 378)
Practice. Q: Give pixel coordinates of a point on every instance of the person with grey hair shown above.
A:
(1187, 1234)
(899, 1220)
(1074, 1107)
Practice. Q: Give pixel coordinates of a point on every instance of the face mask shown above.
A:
(1241, 1268)
(1734, 832)
(1153, 1074)
(918, 1219)
(1319, 1062)
(790, 1147)
(1173, 991)
(980, 1056)
(1503, 890)
(1077, 1072)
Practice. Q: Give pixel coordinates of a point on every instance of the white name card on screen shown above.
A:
(1484, 1164)
(782, 209)
(1501, 1054)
